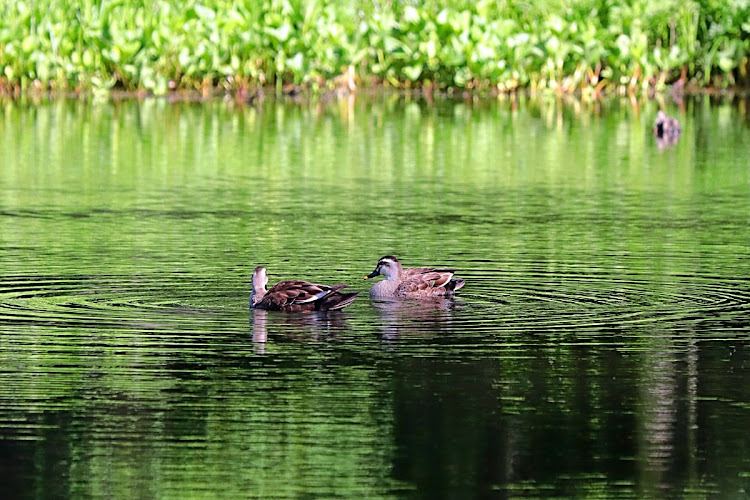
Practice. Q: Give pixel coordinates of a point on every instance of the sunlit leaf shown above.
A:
(184, 57)
(28, 44)
(726, 63)
(204, 12)
(411, 15)
(462, 77)
(442, 17)
(296, 62)
(412, 72)
(392, 44)
(281, 33)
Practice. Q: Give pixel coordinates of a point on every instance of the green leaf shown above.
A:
(484, 53)
(161, 85)
(412, 72)
(411, 15)
(295, 63)
(462, 77)
(100, 84)
(281, 33)
(42, 68)
(442, 17)
(184, 57)
(392, 44)
(28, 44)
(726, 63)
(203, 12)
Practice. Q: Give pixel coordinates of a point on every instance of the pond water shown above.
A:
(600, 347)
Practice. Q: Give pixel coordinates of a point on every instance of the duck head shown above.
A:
(388, 266)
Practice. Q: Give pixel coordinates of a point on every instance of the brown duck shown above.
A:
(415, 282)
(666, 126)
(297, 295)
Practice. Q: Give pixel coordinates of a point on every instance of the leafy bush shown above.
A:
(200, 44)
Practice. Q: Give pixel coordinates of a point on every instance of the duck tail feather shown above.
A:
(337, 301)
(455, 284)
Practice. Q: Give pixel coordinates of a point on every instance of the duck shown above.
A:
(666, 126)
(415, 282)
(297, 295)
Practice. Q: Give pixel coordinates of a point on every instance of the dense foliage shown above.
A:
(567, 45)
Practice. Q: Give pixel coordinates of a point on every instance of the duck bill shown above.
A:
(372, 274)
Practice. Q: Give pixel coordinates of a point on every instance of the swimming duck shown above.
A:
(297, 295)
(416, 282)
(666, 126)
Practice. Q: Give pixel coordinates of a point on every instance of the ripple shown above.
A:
(85, 300)
(493, 301)
(558, 300)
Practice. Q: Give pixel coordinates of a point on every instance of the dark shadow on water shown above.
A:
(31, 466)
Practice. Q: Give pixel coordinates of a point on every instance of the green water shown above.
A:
(600, 347)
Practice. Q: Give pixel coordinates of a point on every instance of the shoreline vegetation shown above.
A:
(332, 47)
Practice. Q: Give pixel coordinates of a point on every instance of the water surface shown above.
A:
(599, 349)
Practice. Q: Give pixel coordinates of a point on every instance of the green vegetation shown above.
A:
(566, 45)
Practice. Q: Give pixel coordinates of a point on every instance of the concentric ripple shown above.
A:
(111, 301)
(554, 300)
(492, 301)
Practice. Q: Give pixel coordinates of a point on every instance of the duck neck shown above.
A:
(257, 295)
(396, 276)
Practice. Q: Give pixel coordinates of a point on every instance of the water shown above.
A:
(601, 346)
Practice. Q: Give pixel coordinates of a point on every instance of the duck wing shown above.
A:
(295, 292)
(424, 278)
(416, 271)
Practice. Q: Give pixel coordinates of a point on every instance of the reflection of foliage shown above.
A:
(137, 420)
(140, 44)
(173, 401)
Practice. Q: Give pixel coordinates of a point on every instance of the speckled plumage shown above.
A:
(415, 282)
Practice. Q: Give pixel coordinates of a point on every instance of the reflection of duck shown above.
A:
(416, 282)
(316, 325)
(666, 126)
(260, 333)
(418, 310)
(429, 315)
(297, 295)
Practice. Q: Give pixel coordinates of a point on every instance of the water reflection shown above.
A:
(410, 316)
(666, 141)
(599, 349)
(316, 326)
(660, 415)
(258, 319)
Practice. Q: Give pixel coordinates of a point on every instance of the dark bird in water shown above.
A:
(666, 126)
(297, 295)
(415, 282)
